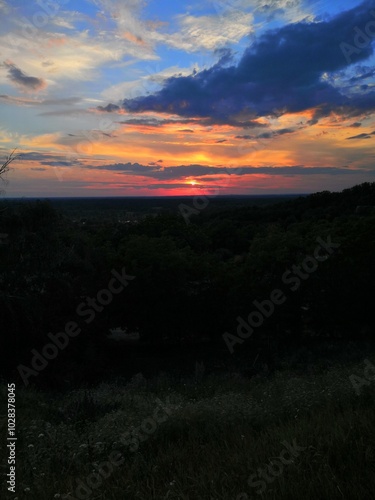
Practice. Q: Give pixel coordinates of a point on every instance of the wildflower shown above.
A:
(30, 446)
(26, 490)
(41, 436)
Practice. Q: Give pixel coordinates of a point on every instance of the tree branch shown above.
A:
(4, 168)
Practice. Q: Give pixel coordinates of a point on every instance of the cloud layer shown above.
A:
(94, 92)
(284, 70)
(197, 171)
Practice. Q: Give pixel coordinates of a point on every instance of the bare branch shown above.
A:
(4, 168)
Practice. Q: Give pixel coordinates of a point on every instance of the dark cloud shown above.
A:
(173, 185)
(57, 163)
(176, 173)
(187, 130)
(255, 124)
(154, 122)
(355, 107)
(35, 156)
(129, 168)
(356, 124)
(362, 136)
(280, 72)
(50, 160)
(275, 133)
(267, 135)
(183, 171)
(205, 121)
(110, 108)
(221, 141)
(17, 76)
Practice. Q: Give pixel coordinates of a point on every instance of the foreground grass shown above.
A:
(216, 432)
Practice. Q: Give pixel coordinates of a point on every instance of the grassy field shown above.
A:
(206, 437)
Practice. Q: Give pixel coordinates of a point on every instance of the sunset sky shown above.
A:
(161, 97)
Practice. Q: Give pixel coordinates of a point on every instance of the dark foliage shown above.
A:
(191, 281)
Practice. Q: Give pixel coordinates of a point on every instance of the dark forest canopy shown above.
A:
(192, 281)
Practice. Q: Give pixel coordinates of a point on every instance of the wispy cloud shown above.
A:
(194, 33)
(4, 8)
(210, 32)
(23, 101)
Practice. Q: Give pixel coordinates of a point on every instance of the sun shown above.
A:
(193, 183)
